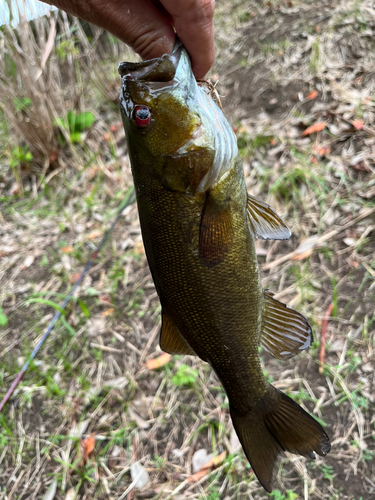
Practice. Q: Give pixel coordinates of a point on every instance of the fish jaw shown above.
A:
(167, 87)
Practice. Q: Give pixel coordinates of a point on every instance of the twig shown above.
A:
(323, 337)
(129, 199)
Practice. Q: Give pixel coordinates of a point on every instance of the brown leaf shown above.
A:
(321, 150)
(87, 447)
(107, 312)
(105, 298)
(361, 166)
(211, 464)
(67, 249)
(312, 95)
(94, 234)
(154, 364)
(74, 277)
(303, 255)
(317, 127)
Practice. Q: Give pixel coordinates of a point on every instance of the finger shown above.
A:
(193, 21)
(138, 23)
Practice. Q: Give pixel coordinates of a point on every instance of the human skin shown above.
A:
(148, 25)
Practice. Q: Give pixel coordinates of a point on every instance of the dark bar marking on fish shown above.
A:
(278, 424)
(215, 233)
(171, 340)
(264, 222)
(285, 332)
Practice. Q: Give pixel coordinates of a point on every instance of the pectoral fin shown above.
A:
(264, 222)
(285, 332)
(171, 340)
(215, 233)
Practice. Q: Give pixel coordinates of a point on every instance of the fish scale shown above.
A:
(198, 225)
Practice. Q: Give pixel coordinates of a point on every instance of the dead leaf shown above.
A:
(94, 234)
(51, 492)
(302, 255)
(107, 312)
(321, 150)
(139, 475)
(141, 422)
(317, 127)
(212, 463)
(71, 494)
(312, 95)
(361, 166)
(105, 299)
(349, 241)
(358, 124)
(28, 261)
(95, 326)
(199, 459)
(154, 364)
(305, 248)
(67, 249)
(87, 447)
(49, 44)
(74, 277)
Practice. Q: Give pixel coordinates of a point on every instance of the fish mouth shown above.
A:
(161, 69)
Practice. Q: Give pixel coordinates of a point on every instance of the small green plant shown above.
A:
(75, 124)
(328, 472)
(22, 103)
(20, 156)
(3, 317)
(289, 495)
(184, 376)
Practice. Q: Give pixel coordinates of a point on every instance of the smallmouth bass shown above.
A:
(198, 226)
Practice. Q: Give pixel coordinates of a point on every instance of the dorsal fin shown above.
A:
(171, 340)
(285, 332)
(264, 222)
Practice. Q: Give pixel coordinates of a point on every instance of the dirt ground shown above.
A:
(282, 67)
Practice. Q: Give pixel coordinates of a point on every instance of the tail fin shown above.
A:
(277, 424)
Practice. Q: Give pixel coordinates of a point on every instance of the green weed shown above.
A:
(288, 495)
(184, 376)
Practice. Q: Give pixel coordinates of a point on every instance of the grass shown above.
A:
(90, 377)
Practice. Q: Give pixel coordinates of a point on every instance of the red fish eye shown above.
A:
(142, 116)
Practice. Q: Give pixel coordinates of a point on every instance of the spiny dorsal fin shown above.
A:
(171, 340)
(215, 232)
(285, 332)
(264, 222)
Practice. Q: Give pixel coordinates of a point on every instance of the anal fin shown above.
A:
(264, 222)
(171, 340)
(285, 332)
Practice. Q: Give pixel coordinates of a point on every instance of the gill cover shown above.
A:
(169, 81)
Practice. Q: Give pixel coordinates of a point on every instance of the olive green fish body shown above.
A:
(198, 225)
(221, 323)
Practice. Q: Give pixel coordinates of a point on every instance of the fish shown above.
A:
(198, 226)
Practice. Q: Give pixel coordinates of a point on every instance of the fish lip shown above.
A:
(160, 69)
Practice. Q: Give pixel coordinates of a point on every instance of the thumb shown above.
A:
(138, 23)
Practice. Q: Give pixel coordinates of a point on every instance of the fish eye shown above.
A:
(142, 116)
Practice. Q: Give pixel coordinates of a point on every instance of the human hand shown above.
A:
(147, 25)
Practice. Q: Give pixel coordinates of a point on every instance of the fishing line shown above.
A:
(129, 199)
